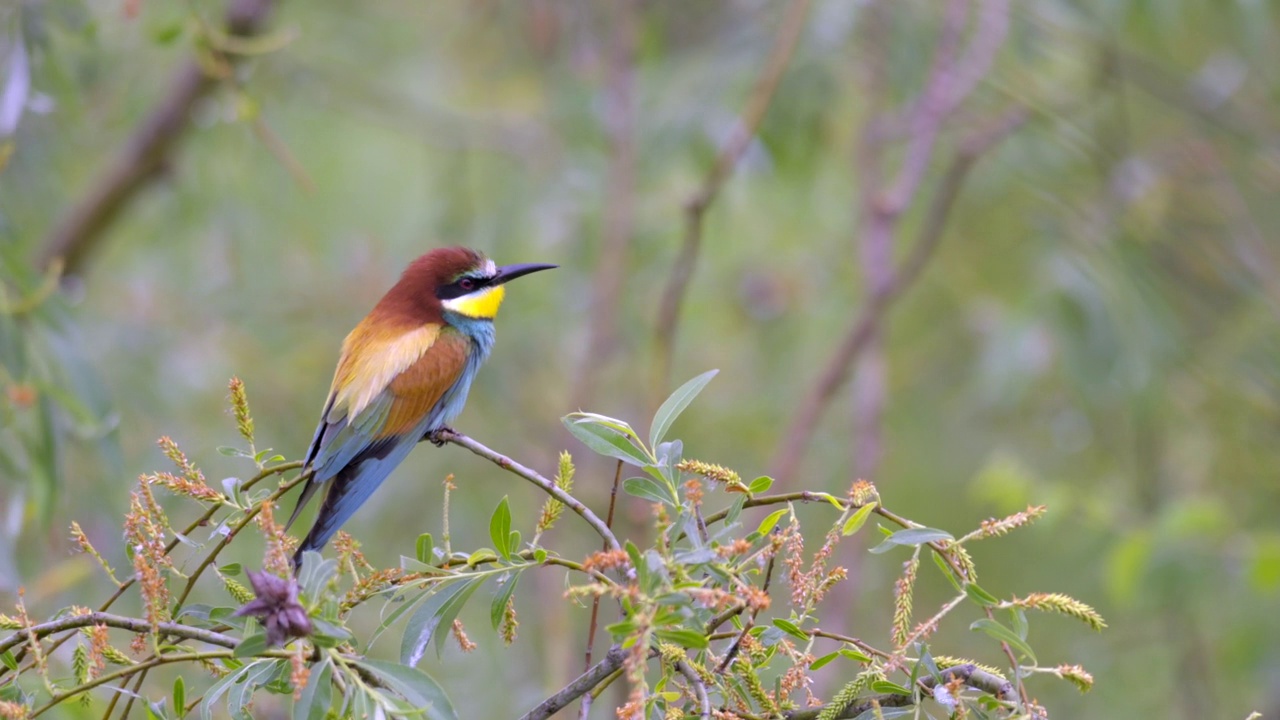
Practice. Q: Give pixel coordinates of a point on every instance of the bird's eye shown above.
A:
(467, 284)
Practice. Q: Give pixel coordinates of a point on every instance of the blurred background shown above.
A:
(982, 253)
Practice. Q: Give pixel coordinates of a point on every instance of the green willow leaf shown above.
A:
(431, 620)
(676, 404)
(415, 686)
(607, 440)
(1005, 635)
(910, 537)
(500, 529)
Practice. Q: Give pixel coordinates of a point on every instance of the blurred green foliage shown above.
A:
(1097, 332)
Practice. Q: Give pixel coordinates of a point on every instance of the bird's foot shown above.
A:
(438, 437)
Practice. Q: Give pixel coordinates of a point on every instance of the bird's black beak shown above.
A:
(511, 272)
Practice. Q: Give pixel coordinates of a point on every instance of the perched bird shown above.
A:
(403, 374)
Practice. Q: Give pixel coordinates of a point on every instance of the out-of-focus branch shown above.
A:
(696, 206)
(833, 375)
(619, 110)
(146, 153)
(579, 687)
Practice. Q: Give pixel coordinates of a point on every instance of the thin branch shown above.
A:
(593, 676)
(543, 484)
(595, 602)
(146, 153)
(138, 625)
(126, 672)
(198, 522)
(981, 680)
(699, 688)
(696, 206)
(232, 531)
(971, 149)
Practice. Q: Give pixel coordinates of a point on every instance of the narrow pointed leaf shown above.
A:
(911, 536)
(856, 520)
(431, 620)
(649, 489)
(607, 440)
(675, 405)
(500, 529)
(506, 586)
(1005, 635)
(415, 686)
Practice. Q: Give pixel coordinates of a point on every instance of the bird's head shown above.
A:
(464, 281)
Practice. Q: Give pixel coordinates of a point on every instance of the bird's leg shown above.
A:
(436, 437)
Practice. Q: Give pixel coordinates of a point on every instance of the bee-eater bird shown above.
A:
(403, 374)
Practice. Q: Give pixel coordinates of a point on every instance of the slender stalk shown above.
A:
(138, 625)
(594, 675)
(595, 602)
(198, 522)
(506, 463)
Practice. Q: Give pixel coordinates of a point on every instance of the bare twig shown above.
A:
(611, 662)
(699, 688)
(126, 672)
(696, 206)
(595, 602)
(147, 151)
(138, 625)
(543, 484)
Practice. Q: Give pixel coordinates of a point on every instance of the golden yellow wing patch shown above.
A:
(372, 357)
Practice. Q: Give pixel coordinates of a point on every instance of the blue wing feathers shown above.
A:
(350, 461)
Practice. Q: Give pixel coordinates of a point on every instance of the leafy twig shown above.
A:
(532, 476)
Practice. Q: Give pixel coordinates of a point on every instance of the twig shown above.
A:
(695, 208)
(699, 688)
(543, 484)
(203, 519)
(595, 602)
(981, 680)
(862, 330)
(138, 625)
(1014, 666)
(208, 560)
(611, 662)
(146, 152)
(125, 672)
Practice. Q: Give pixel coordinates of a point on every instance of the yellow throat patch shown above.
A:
(481, 304)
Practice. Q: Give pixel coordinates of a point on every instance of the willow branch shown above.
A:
(595, 601)
(971, 676)
(145, 154)
(138, 625)
(126, 672)
(198, 522)
(532, 476)
(695, 208)
(699, 688)
(596, 674)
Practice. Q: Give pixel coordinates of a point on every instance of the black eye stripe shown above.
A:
(455, 289)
